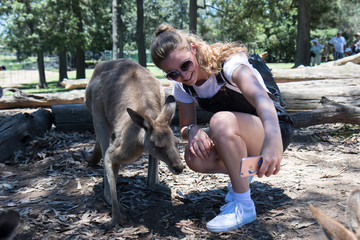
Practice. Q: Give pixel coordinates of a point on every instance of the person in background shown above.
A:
(348, 52)
(356, 44)
(339, 44)
(316, 50)
(252, 128)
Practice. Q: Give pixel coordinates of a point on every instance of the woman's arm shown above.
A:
(199, 141)
(252, 90)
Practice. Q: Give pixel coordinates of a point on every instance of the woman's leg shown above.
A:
(235, 135)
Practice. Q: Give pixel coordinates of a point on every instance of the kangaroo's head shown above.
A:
(159, 140)
(335, 230)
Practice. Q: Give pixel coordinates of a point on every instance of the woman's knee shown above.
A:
(223, 125)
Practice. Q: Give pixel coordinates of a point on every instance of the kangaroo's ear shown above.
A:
(168, 111)
(332, 228)
(140, 120)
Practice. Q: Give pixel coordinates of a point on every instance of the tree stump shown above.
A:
(18, 130)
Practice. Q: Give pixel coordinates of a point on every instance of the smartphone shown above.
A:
(250, 166)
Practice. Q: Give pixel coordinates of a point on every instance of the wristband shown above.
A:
(187, 130)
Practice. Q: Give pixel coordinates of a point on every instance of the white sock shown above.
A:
(244, 198)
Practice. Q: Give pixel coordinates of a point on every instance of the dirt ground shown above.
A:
(59, 196)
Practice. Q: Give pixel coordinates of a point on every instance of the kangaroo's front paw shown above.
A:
(156, 187)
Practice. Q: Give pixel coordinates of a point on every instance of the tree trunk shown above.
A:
(62, 66)
(303, 44)
(140, 37)
(114, 29)
(193, 16)
(80, 63)
(121, 30)
(41, 66)
(79, 42)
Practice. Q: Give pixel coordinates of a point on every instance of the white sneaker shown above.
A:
(228, 197)
(233, 215)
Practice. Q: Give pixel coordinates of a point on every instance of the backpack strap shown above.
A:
(190, 90)
(220, 78)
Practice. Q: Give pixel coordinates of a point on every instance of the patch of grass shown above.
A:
(158, 73)
(280, 65)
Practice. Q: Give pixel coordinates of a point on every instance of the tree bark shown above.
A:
(193, 16)
(62, 66)
(79, 43)
(303, 44)
(75, 84)
(121, 30)
(24, 100)
(347, 71)
(19, 129)
(140, 37)
(331, 112)
(303, 96)
(41, 66)
(72, 117)
(114, 28)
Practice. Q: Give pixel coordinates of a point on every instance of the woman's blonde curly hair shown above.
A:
(209, 57)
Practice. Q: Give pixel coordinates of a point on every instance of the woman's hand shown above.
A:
(200, 143)
(272, 151)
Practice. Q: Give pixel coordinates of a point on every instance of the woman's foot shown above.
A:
(233, 215)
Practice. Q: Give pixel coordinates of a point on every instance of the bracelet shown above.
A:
(187, 130)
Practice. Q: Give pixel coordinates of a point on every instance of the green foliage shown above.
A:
(53, 25)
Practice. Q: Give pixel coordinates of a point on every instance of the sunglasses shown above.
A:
(174, 74)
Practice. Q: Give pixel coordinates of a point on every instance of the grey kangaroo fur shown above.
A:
(334, 229)
(126, 103)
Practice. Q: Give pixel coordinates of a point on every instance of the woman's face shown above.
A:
(181, 66)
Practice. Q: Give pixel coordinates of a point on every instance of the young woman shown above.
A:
(245, 122)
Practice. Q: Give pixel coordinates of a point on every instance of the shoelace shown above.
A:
(238, 210)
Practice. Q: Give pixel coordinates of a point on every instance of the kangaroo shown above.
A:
(125, 101)
(335, 230)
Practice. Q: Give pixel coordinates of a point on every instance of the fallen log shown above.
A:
(72, 117)
(82, 83)
(299, 96)
(24, 100)
(74, 84)
(76, 117)
(303, 96)
(330, 112)
(324, 71)
(350, 59)
(18, 130)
